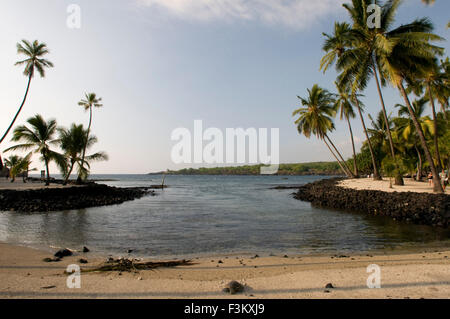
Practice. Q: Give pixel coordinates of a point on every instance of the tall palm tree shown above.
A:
(316, 118)
(39, 137)
(91, 100)
(335, 46)
(72, 142)
(33, 61)
(362, 58)
(343, 105)
(434, 84)
(411, 57)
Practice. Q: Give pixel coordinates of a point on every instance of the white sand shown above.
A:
(415, 275)
(369, 184)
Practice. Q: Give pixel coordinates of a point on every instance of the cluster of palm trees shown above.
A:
(404, 57)
(66, 147)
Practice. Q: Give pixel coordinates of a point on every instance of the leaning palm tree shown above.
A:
(316, 118)
(343, 105)
(91, 100)
(411, 57)
(72, 142)
(335, 46)
(39, 137)
(33, 61)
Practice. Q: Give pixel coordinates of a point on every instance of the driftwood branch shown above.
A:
(133, 265)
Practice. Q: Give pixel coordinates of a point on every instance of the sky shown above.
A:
(161, 64)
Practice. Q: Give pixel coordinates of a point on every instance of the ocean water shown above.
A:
(200, 215)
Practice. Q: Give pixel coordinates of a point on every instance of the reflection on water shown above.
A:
(213, 214)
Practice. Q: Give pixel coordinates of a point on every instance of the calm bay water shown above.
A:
(213, 215)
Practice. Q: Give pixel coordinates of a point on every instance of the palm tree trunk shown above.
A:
(437, 187)
(355, 167)
(20, 109)
(349, 172)
(398, 177)
(435, 138)
(376, 174)
(419, 166)
(85, 144)
(47, 183)
(339, 162)
(70, 172)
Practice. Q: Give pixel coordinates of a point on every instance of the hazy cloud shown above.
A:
(292, 13)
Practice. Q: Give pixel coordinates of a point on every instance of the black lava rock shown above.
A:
(418, 208)
(57, 199)
(63, 253)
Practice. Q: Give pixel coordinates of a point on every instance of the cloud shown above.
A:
(296, 14)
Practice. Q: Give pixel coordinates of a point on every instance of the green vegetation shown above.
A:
(404, 57)
(315, 168)
(69, 149)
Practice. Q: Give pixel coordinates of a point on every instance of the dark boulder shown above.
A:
(63, 253)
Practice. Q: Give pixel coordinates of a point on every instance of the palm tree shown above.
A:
(410, 58)
(343, 105)
(39, 137)
(88, 103)
(316, 118)
(18, 165)
(72, 142)
(406, 128)
(434, 84)
(378, 132)
(361, 60)
(335, 46)
(33, 61)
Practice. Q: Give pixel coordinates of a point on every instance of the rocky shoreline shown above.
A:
(68, 198)
(417, 208)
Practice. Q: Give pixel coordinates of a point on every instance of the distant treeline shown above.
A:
(315, 168)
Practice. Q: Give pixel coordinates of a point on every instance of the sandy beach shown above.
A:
(403, 275)
(383, 185)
